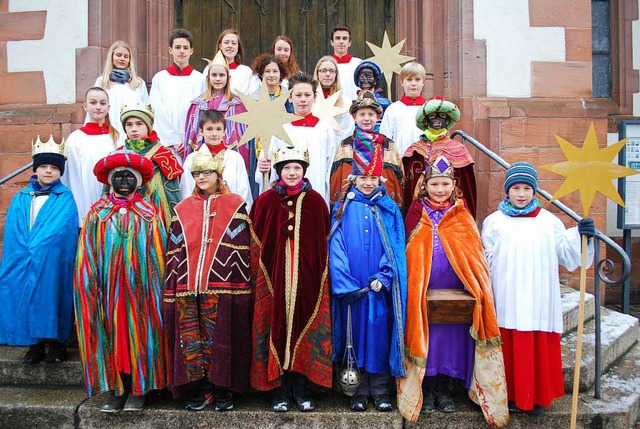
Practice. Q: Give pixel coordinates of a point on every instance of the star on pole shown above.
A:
(589, 170)
(389, 58)
(326, 109)
(264, 117)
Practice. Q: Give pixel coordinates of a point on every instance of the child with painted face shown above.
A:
(444, 251)
(118, 287)
(369, 278)
(522, 237)
(368, 77)
(36, 272)
(207, 313)
(291, 317)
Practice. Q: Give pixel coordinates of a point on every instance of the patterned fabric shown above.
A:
(521, 172)
(367, 153)
(509, 209)
(121, 257)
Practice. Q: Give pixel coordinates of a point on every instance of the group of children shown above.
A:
(233, 270)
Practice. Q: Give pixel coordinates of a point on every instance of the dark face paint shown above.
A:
(124, 183)
(367, 79)
(437, 121)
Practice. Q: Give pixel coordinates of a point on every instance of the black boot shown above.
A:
(34, 355)
(280, 403)
(428, 395)
(301, 393)
(57, 352)
(443, 394)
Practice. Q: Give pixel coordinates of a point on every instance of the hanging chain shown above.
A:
(232, 7)
(304, 8)
(261, 9)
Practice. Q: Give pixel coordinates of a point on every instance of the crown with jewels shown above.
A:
(50, 146)
(440, 167)
(203, 159)
(297, 152)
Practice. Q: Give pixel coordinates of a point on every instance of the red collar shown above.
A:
(233, 65)
(307, 121)
(93, 129)
(216, 149)
(326, 92)
(343, 60)
(174, 70)
(534, 213)
(418, 101)
(152, 137)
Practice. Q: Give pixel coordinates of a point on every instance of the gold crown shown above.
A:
(218, 60)
(297, 152)
(49, 147)
(203, 159)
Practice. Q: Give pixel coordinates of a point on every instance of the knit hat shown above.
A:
(138, 110)
(295, 153)
(49, 158)
(123, 160)
(377, 73)
(521, 172)
(366, 98)
(435, 105)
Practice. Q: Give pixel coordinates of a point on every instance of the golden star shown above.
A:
(264, 117)
(388, 58)
(589, 170)
(326, 109)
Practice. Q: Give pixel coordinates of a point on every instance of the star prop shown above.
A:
(388, 58)
(326, 109)
(589, 170)
(264, 117)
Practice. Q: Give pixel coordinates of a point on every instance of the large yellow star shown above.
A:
(326, 109)
(589, 170)
(264, 117)
(389, 58)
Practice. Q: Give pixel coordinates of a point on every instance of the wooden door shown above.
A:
(307, 22)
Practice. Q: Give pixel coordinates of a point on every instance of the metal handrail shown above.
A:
(603, 267)
(15, 173)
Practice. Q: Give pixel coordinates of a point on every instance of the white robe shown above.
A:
(122, 94)
(524, 254)
(241, 79)
(83, 152)
(235, 175)
(170, 98)
(320, 141)
(399, 124)
(347, 83)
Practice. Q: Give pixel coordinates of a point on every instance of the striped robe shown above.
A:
(121, 256)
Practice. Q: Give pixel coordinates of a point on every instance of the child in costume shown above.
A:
(341, 42)
(118, 282)
(36, 273)
(399, 118)
(524, 244)
(173, 88)
(208, 300)
(211, 129)
(121, 81)
(369, 279)
(365, 111)
(444, 251)
(164, 188)
(368, 77)
(291, 320)
(436, 117)
(86, 146)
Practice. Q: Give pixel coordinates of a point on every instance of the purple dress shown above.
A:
(451, 347)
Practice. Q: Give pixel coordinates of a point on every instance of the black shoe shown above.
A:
(114, 403)
(34, 355)
(57, 352)
(135, 402)
(382, 403)
(428, 402)
(513, 408)
(537, 411)
(200, 400)
(359, 403)
(301, 393)
(224, 400)
(280, 403)
(443, 395)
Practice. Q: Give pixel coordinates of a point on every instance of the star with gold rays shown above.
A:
(589, 170)
(389, 58)
(264, 117)
(326, 109)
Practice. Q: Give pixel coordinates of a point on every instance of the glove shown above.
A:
(586, 227)
(375, 285)
(352, 297)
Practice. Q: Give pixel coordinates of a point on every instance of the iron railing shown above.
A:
(15, 173)
(603, 267)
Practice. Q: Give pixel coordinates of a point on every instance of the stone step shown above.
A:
(13, 372)
(31, 408)
(619, 333)
(570, 307)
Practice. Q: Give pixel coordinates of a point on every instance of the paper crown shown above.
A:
(138, 110)
(434, 105)
(297, 152)
(203, 159)
(367, 157)
(440, 167)
(218, 60)
(50, 146)
(123, 159)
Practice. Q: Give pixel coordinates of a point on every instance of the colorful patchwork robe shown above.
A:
(121, 256)
(208, 296)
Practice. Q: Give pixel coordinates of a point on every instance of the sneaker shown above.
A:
(203, 398)
(34, 355)
(224, 401)
(359, 403)
(382, 403)
(57, 352)
(114, 403)
(135, 402)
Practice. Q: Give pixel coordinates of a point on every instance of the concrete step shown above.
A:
(31, 408)
(13, 372)
(570, 307)
(619, 333)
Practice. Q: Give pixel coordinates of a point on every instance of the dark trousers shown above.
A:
(374, 384)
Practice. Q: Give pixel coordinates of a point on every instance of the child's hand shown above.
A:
(586, 227)
(179, 148)
(375, 285)
(264, 165)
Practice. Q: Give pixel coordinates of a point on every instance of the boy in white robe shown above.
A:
(341, 41)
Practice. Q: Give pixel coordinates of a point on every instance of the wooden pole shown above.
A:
(576, 370)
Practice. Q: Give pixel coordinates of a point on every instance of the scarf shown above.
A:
(95, 129)
(343, 60)
(509, 209)
(120, 75)
(286, 190)
(435, 135)
(123, 202)
(174, 70)
(139, 144)
(426, 201)
(38, 189)
(418, 101)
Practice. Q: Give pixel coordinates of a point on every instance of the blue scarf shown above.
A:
(509, 209)
(38, 189)
(120, 75)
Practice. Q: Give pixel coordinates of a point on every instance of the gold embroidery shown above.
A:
(293, 289)
(234, 246)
